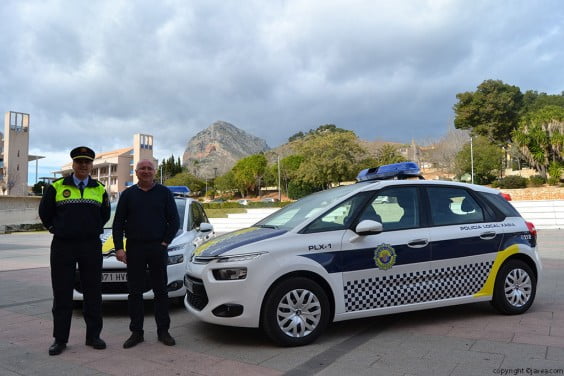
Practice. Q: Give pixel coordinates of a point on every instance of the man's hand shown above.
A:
(120, 255)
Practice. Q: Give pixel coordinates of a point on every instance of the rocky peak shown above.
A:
(215, 150)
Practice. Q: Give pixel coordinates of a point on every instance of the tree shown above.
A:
(388, 154)
(39, 188)
(189, 180)
(487, 160)
(491, 111)
(322, 129)
(169, 167)
(533, 101)
(248, 173)
(289, 167)
(444, 151)
(540, 137)
(329, 158)
(226, 182)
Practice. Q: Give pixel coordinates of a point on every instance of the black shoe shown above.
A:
(57, 348)
(167, 339)
(135, 339)
(97, 343)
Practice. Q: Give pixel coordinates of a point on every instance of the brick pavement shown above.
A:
(460, 340)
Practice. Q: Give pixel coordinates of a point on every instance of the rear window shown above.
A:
(501, 204)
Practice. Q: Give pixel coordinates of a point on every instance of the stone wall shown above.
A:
(536, 193)
(18, 212)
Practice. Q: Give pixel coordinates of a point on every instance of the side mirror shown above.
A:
(206, 227)
(369, 227)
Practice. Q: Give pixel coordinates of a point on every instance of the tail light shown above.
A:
(532, 229)
(507, 196)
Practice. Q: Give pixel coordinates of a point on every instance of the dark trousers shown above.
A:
(141, 255)
(65, 255)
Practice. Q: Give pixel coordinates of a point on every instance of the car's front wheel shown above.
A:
(515, 288)
(296, 311)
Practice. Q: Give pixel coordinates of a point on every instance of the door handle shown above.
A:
(487, 235)
(418, 243)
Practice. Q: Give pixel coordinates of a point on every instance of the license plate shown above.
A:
(189, 285)
(114, 277)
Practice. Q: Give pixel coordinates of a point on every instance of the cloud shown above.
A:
(97, 72)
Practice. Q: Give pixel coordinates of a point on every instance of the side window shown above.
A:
(450, 206)
(337, 218)
(396, 208)
(202, 214)
(196, 216)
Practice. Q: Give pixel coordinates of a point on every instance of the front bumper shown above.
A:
(117, 291)
(227, 302)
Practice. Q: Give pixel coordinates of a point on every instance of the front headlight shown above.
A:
(230, 274)
(175, 259)
(177, 247)
(237, 258)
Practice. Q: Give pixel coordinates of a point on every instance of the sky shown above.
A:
(96, 72)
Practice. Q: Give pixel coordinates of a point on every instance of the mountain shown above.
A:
(216, 149)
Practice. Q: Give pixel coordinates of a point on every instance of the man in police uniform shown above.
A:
(74, 209)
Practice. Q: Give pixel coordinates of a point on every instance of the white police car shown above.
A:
(372, 248)
(194, 230)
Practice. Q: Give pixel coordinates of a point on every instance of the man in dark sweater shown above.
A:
(146, 213)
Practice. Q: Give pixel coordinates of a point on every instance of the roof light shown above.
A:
(179, 190)
(402, 170)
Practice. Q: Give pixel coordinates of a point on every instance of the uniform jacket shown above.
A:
(69, 215)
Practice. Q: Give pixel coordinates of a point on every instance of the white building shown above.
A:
(14, 154)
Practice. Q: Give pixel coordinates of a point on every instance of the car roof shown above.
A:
(378, 184)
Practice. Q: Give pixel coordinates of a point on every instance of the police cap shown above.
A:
(82, 152)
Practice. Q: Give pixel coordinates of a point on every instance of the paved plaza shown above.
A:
(462, 340)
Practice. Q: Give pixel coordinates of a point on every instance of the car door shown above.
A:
(463, 243)
(388, 269)
(198, 216)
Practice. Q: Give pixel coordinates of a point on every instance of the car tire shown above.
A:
(515, 288)
(296, 311)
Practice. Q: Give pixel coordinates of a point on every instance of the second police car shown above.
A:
(194, 230)
(380, 246)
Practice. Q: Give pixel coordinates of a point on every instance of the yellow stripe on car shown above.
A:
(109, 246)
(488, 288)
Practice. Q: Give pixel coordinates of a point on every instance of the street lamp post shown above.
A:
(279, 191)
(472, 159)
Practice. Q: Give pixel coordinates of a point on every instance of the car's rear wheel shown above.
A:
(296, 311)
(515, 288)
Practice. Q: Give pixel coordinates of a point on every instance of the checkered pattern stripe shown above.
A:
(415, 287)
(78, 201)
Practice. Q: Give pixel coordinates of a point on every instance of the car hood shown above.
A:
(236, 239)
(108, 247)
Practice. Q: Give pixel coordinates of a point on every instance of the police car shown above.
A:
(386, 244)
(194, 230)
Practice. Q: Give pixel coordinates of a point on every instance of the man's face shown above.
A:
(82, 167)
(145, 172)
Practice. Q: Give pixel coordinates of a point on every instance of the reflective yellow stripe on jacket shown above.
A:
(70, 194)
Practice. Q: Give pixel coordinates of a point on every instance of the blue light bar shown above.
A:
(181, 190)
(400, 170)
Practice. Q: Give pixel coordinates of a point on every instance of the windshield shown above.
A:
(310, 206)
(180, 205)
